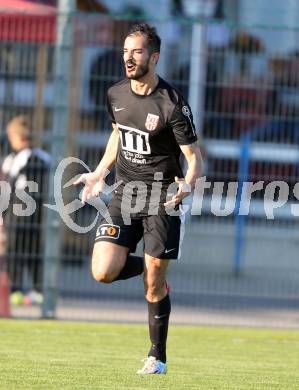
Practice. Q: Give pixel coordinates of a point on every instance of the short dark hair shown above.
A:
(150, 33)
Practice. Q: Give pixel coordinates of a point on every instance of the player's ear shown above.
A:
(155, 57)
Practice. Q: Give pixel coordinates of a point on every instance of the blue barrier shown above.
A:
(239, 218)
(244, 160)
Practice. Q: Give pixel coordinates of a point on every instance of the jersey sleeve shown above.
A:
(182, 124)
(109, 107)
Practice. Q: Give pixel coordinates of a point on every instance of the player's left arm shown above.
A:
(186, 185)
(186, 137)
(194, 160)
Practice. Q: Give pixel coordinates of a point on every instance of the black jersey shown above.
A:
(151, 129)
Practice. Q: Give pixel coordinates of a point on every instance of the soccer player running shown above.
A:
(152, 125)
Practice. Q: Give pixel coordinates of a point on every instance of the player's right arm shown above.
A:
(95, 181)
(108, 160)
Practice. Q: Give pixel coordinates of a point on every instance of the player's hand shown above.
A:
(184, 190)
(94, 185)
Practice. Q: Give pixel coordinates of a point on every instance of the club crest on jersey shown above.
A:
(151, 122)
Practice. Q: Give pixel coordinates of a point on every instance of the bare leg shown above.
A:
(108, 260)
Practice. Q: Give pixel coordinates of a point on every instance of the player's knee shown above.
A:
(154, 282)
(153, 288)
(100, 271)
(103, 276)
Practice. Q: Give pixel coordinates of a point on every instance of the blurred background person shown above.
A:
(24, 233)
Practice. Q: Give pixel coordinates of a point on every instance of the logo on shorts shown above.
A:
(169, 250)
(108, 231)
(151, 122)
(186, 111)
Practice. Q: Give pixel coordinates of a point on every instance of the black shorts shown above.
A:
(162, 234)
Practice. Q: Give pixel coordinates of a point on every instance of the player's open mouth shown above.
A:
(131, 67)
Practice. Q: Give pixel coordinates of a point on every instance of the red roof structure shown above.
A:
(27, 21)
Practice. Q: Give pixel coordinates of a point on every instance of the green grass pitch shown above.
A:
(67, 355)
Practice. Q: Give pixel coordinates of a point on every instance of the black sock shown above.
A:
(132, 267)
(158, 317)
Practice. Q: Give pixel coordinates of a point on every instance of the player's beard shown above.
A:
(139, 72)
